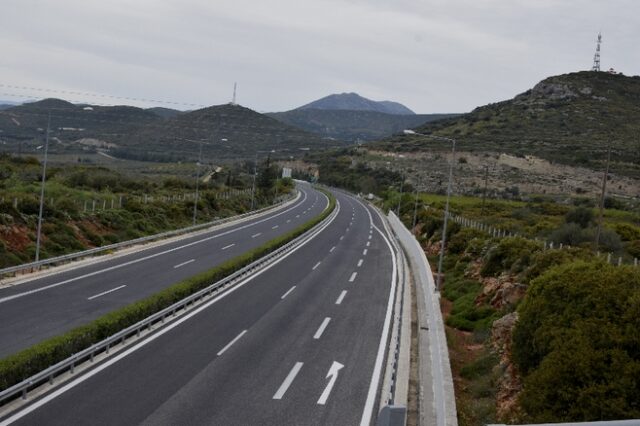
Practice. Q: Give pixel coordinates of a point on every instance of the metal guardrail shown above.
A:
(88, 354)
(86, 253)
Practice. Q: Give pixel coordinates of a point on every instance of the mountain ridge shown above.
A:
(354, 102)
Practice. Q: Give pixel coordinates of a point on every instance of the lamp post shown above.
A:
(255, 174)
(44, 176)
(446, 209)
(195, 202)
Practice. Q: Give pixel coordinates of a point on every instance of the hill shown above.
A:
(570, 119)
(229, 131)
(355, 102)
(352, 125)
(151, 134)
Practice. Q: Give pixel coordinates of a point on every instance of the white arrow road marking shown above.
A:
(288, 291)
(352, 278)
(341, 297)
(287, 382)
(324, 325)
(231, 342)
(106, 292)
(333, 373)
(183, 263)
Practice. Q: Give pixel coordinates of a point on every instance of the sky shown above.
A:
(434, 56)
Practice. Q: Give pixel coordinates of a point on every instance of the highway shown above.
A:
(48, 306)
(298, 344)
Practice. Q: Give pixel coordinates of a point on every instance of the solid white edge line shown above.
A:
(18, 415)
(288, 380)
(183, 263)
(322, 327)
(288, 291)
(223, 350)
(106, 292)
(142, 259)
(341, 297)
(367, 413)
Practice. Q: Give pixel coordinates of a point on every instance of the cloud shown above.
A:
(432, 55)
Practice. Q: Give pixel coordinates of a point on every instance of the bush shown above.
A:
(511, 254)
(460, 240)
(581, 216)
(577, 343)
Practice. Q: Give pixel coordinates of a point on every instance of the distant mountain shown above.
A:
(229, 131)
(7, 104)
(349, 125)
(165, 112)
(355, 102)
(569, 119)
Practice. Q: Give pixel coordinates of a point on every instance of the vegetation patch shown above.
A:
(25, 364)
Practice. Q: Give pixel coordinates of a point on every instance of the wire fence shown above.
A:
(496, 232)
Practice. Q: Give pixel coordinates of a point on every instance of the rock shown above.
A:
(553, 91)
(509, 382)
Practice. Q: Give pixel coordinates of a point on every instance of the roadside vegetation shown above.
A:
(91, 206)
(541, 324)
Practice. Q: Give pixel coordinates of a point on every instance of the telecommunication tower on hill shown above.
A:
(596, 57)
(233, 101)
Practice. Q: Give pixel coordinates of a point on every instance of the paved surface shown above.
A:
(263, 354)
(48, 306)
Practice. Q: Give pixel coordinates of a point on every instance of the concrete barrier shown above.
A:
(437, 397)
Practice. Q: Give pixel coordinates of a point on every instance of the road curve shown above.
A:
(49, 306)
(296, 345)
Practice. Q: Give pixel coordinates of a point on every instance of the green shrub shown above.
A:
(577, 343)
(511, 254)
(541, 261)
(582, 216)
(461, 239)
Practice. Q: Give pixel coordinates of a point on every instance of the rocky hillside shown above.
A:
(570, 119)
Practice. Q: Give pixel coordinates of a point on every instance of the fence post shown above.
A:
(93, 208)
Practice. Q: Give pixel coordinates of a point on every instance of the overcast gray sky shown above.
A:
(431, 55)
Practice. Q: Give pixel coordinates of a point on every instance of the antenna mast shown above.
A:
(233, 101)
(596, 57)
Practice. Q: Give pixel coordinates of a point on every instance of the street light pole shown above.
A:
(44, 176)
(195, 203)
(446, 209)
(415, 210)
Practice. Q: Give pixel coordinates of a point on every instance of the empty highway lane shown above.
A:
(298, 344)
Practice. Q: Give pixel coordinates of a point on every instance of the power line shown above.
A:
(99, 95)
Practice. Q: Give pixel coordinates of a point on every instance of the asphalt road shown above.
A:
(49, 306)
(296, 345)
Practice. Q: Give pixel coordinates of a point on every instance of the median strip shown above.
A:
(21, 366)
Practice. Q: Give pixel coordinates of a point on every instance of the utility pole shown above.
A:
(604, 189)
(446, 215)
(44, 177)
(400, 199)
(195, 203)
(484, 190)
(415, 211)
